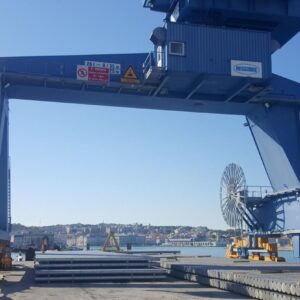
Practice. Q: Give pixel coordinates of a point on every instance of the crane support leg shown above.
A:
(276, 131)
(4, 167)
(296, 245)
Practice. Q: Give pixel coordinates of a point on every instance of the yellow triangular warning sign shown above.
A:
(130, 76)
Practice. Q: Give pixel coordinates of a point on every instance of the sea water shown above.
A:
(209, 251)
(193, 251)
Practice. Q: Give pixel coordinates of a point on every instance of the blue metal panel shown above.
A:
(209, 50)
(276, 131)
(283, 90)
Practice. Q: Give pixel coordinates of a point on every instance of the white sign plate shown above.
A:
(246, 69)
(115, 69)
(82, 72)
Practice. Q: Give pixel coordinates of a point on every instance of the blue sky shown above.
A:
(89, 164)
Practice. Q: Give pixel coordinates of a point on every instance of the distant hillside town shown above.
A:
(85, 236)
(81, 236)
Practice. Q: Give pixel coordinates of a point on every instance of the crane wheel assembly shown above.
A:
(238, 208)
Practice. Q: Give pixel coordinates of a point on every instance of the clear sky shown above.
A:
(89, 164)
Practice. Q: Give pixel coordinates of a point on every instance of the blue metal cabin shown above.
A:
(209, 50)
(211, 56)
(202, 70)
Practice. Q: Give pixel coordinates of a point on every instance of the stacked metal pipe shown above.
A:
(259, 280)
(94, 267)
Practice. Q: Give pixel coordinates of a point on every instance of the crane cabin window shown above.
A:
(176, 48)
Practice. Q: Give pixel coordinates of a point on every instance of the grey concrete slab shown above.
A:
(19, 285)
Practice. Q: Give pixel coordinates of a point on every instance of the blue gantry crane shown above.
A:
(210, 56)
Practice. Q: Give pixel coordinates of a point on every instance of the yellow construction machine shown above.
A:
(263, 249)
(111, 244)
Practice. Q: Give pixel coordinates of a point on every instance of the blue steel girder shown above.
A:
(53, 78)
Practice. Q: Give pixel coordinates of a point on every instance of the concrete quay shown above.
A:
(256, 279)
(19, 284)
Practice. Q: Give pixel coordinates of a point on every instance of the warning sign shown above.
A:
(82, 72)
(98, 74)
(130, 76)
(93, 74)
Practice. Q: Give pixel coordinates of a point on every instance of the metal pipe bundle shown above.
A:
(94, 267)
(259, 280)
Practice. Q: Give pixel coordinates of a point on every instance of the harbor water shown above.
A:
(194, 251)
(210, 251)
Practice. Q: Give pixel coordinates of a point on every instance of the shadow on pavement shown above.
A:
(169, 287)
(11, 285)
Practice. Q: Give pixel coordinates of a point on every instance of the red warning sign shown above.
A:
(98, 74)
(93, 74)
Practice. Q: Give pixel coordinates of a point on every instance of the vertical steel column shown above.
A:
(296, 245)
(4, 163)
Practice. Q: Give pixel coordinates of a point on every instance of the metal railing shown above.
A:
(152, 62)
(258, 191)
(149, 62)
